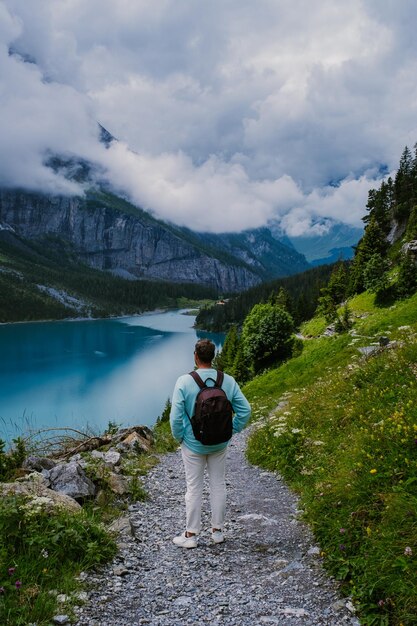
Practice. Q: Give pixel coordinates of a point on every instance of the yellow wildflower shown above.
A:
(373, 471)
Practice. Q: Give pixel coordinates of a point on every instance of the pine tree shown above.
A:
(373, 242)
(380, 205)
(225, 359)
(375, 274)
(338, 283)
(403, 186)
(344, 321)
(407, 277)
(241, 371)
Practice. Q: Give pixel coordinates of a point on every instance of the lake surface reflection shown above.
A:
(55, 374)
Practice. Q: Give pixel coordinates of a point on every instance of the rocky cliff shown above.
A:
(110, 234)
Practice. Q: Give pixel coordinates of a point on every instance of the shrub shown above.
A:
(12, 459)
(266, 335)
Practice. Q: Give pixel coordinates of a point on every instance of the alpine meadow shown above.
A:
(338, 418)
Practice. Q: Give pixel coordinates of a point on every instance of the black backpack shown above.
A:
(212, 421)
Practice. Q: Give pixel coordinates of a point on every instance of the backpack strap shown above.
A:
(199, 382)
(218, 382)
(220, 378)
(198, 379)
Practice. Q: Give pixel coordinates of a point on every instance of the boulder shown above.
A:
(71, 480)
(34, 477)
(112, 457)
(38, 463)
(410, 249)
(40, 497)
(118, 484)
(143, 431)
(134, 441)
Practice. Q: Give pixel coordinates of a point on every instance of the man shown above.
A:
(197, 456)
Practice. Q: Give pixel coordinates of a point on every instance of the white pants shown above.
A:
(194, 465)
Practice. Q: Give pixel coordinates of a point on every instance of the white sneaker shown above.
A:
(217, 536)
(185, 542)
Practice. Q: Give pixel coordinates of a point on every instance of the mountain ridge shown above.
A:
(110, 233)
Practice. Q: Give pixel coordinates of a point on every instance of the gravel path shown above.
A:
(266, 572)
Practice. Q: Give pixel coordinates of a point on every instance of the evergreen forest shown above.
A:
(47, 282)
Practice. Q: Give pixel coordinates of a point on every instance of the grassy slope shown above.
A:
(346, 441)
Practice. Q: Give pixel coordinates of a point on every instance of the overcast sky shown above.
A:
(228, 113)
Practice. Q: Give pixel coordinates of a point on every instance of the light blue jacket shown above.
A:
(183, 400)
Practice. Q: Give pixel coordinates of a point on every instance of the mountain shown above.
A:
(259, 250)
(108, 233)
(335, 255)
(336, 243)
(43, 279)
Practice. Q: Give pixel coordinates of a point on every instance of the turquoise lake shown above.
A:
(86, 373)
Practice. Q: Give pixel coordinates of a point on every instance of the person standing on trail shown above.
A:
(207, 410)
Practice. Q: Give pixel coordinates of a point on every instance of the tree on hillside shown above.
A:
(232, 359)
(375, 274)
(380, 205)
(241, 371)
(404, 185)
(407, 277)
(334, 293)
(225, 359)
(411, 232)
(267, 335)
(374, 241)
(282, 299)
(344, 320)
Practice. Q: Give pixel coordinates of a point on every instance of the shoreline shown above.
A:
(157, 311)
(89, 319)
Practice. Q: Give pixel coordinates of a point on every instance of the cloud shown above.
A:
(235, 113)
(344, 203)
(215, 196)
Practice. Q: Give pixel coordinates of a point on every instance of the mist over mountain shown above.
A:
(328, 247)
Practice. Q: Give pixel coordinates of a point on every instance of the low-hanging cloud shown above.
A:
(229, 115)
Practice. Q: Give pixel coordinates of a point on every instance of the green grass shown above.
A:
(314, 327)
(41, 555)
(381, 320)
(346, 441)
(318, 357)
